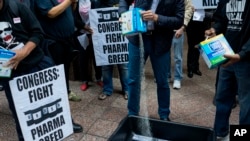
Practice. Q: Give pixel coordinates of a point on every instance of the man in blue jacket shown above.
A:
(232, 19)
(162, 17)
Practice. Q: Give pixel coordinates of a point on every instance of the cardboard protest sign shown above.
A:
(42, 105)
(205, 4)
(110, 46)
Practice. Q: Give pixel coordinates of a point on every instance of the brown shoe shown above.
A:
(102, 96)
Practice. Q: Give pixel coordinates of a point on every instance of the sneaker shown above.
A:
(226, 138)
(74, 97)
(102, 96)
(177, 84)
(100, 83)
(126, 95)
(84, 87)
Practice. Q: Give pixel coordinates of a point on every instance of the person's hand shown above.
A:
(120, 20)
(88, 29)
(193, 9)
(179, 32)
(233, 58)
(149, 15)
(210, 33)
(15, 60)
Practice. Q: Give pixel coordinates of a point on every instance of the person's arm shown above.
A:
(187, 17)
(244, 54)
(220, 19)
(78, 20)
(60, 8)
(188, 12)
(21, 54)
(175, 21)
(74, 4)
(245, 51)
(35, 33)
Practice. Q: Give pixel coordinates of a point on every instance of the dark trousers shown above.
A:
(85, 58)
(195, 34)
(61, 53)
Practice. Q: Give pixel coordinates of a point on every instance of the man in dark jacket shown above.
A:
(25, 32)
(232, 19)
(57, 21)
(164, 16)
(195, 35)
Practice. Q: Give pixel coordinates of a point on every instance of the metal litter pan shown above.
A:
(132, 128)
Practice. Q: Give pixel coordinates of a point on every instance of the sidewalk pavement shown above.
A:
(192, 104)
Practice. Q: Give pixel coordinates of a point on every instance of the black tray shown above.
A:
(130, 128)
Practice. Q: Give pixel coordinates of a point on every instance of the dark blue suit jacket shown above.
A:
(170, 17)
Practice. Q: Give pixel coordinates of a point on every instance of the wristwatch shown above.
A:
(184, 27)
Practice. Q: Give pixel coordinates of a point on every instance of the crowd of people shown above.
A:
(61, 21)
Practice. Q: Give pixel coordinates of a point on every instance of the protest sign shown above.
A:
(42, 105)
(205, 4)
(110, 46)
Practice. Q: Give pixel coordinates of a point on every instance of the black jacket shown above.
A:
(240, 42)
(170, 17)
(25, 28)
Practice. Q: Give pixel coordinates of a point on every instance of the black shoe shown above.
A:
(214, 102)
(1, 87)
(190, 74)
(198, 72)
(77, 128)
(234, 105)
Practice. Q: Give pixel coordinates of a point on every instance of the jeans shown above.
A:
(159, 65)
(107, 74)
(177, 45)
(225, 96)
(45, 63)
